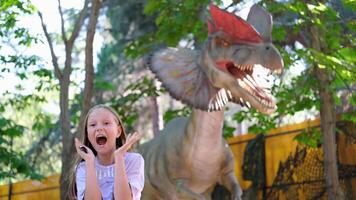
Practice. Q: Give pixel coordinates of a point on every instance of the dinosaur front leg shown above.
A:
(185, 193)
(230, 182)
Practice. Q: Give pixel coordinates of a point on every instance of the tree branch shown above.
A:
(57, 71)
(79, 22)
(89, 68)
(64, 37)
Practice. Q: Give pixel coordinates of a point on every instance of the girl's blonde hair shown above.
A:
(84, 139)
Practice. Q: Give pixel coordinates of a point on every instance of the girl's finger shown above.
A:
(77, 145)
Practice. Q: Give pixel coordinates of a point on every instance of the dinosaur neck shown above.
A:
(204, 130)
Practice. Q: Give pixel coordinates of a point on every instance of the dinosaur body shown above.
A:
(189, 157)
(179, 172)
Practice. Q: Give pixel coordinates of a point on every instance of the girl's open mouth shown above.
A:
(101, 139)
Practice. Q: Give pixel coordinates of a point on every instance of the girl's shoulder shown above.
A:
(81, 167)
(132, 157)
(81, 164)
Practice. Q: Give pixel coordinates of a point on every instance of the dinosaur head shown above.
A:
(224, 69)
(234, 48)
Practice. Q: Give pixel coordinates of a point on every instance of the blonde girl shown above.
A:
(104, 169)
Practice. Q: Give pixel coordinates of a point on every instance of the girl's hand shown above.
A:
(88, 155)
(130, 140)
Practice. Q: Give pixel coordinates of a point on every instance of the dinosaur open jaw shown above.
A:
(259, 97)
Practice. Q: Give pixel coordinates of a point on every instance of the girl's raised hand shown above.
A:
(83, 151)
(130, 140)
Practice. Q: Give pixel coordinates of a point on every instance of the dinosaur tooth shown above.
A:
(248, 104)
(226, 97)
(229, 94)
(218, 99)
(249, 82)
(278, 71)
(223, 97)
(241, 100)
(216, 106)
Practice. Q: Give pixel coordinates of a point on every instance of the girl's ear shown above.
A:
(118, 131)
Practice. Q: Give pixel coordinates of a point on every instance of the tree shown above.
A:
(63, 76)
(13, 162)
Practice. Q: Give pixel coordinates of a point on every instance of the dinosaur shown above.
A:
(189, 157)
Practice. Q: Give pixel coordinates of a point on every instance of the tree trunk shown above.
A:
(63, 76)
(328, 125)
(67, 137)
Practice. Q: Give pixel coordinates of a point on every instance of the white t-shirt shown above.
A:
(134, 164)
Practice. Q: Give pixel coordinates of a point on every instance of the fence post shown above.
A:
(264, 183)
(10, 190)
(10, 175)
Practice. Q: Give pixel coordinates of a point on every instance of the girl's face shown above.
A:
(103, 129)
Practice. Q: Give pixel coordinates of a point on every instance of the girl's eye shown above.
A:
(107, 123)
(91, 125)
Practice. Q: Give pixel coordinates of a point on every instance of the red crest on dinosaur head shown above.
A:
(238, 29)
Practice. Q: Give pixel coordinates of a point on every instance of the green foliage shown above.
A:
(12, 163)
(337, 57)
(124, 104)
(173, 113)
(177, 19)
(140, 46)
(132, 34)
(10, 10)
(310, 137)
(228, 131)
(101, 84)
(263, 123)
(349, 116)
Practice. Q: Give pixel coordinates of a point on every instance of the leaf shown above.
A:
(310, 137)
(173, 113)
(228, 131)
(348, 54)
(104, 85)
(43, 73)
(13, 132)
(3, 122)
(350, 4)
(349, 116)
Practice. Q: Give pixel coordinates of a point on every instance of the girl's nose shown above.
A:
(99, 128)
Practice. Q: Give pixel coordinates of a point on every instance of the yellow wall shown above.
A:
(46, 189)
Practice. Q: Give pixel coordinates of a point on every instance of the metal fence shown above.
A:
(275, 166)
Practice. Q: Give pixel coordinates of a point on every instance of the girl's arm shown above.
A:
(92, 191)
(122, 190)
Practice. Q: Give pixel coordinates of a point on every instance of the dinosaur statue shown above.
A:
(189, 157)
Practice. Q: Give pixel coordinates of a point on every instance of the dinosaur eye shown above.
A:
(222, 42)
(267, 47)
(226, 44)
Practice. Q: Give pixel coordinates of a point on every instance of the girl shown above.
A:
(106, 171)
